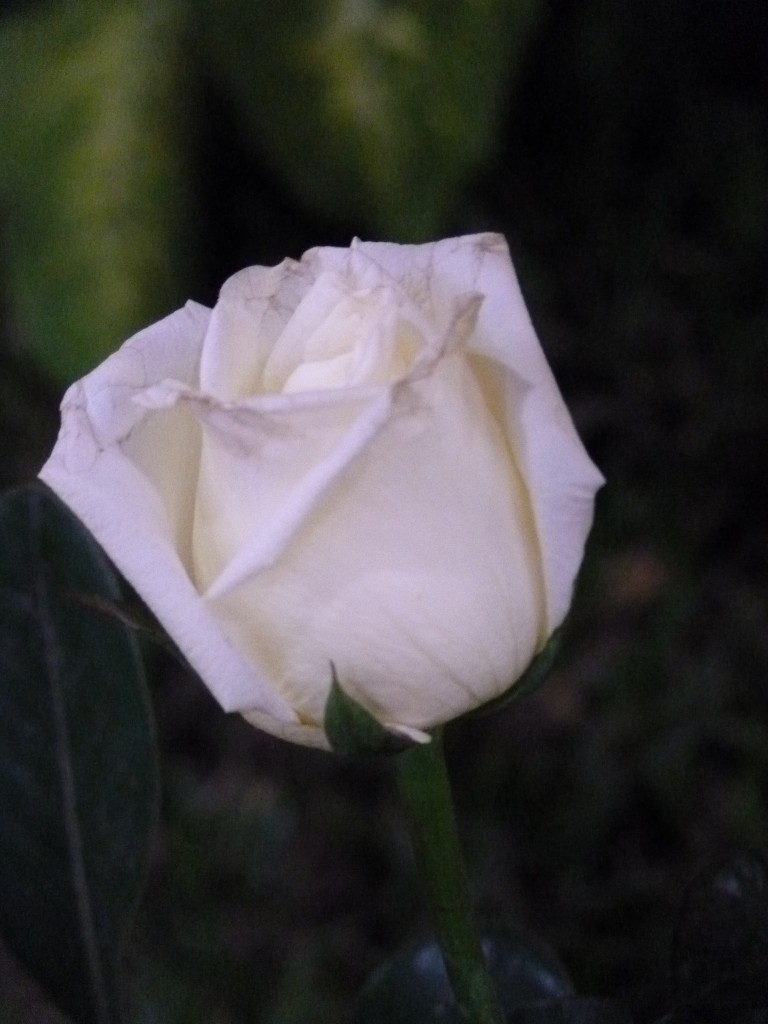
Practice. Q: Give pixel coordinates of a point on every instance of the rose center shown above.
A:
(363, 342)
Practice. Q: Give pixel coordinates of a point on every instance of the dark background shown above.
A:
(629, 172)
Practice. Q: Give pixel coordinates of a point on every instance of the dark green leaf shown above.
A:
(571, 1010)
(136, 618)
(721, 941)
(22, 1001)
(78, 790)
(353, 730)
(414, 987)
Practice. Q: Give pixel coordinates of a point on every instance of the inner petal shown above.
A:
(268, 458)
(294, 346)
(340, 337)
(320, 375)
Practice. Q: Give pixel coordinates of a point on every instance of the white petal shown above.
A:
(560, 476)
(97, 471)
(415, 575)
(253, 308)
(270, 500)
(100, 413)
(116, 505)
(293, 732)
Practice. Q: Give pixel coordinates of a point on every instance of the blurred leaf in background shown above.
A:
(91, 182)
(372, 111)
(373, 114)
(79, 786)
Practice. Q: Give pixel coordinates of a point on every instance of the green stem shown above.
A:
(426, 793)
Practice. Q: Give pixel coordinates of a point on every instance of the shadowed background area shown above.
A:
(150, 150)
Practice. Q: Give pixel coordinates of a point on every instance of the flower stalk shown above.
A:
(426, 794)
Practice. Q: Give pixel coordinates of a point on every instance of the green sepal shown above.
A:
(530, 680)
(353, 730)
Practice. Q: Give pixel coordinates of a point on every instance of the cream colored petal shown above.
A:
(414, 575)
(169, 348)
(559, 475)
(319, 305)
(253, 308)
(96, 471)
(293, 732)
(114, 502)
(100, 413)
(270, 498)
(340, 315)
(276, 456)
(409, 267)
(271, 456)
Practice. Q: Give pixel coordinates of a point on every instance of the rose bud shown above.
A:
(356, 466)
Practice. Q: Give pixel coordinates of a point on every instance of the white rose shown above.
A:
(358, 459)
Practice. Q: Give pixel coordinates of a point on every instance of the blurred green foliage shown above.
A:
(625, 156)
(91, 176)
(371, 112)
